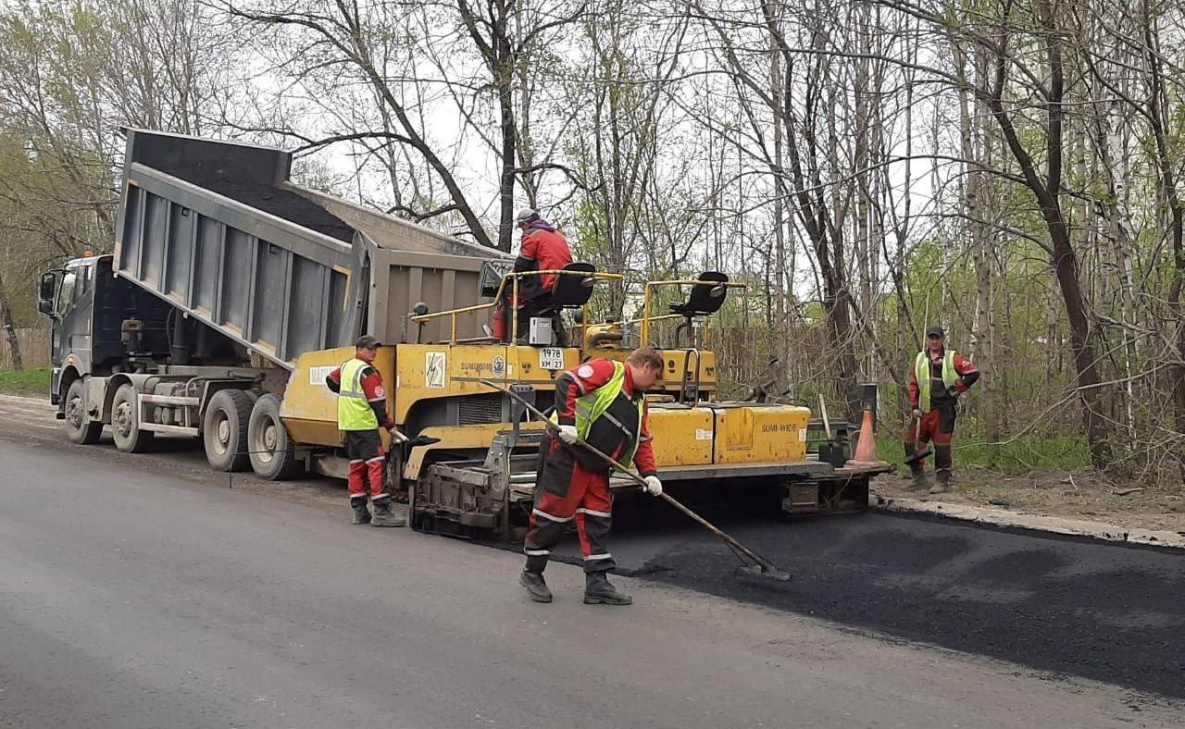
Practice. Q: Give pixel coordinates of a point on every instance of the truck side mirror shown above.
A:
(45, 292)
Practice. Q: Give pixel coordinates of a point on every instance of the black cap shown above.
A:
(935, 332)
(367, 342)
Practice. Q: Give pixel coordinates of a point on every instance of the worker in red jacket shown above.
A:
(543, 249)
(937, 379)
(600, 402)
(361, 411)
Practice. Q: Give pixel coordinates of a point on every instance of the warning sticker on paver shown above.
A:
(703, 434)
(802, 435)
(434, 370)
(317, 375)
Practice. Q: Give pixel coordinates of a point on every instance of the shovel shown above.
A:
(918, 455)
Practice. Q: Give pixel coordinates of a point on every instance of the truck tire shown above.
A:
(125, 421)
(80, 428)
(224, 430)
(272, 450)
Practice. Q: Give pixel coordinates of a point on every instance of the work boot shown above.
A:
(599, 591)
(384, 517)
(361, 513)
(535, 585)
(918, 476)
(943, 484)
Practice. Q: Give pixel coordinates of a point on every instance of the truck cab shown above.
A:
(87, 305)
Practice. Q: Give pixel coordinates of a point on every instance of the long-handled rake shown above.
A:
(760, 566)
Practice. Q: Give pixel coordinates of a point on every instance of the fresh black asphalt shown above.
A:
(1060, 605)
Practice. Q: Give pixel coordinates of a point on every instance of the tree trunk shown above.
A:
(509, 158)
(780, 328)
(1047, 192)
(1157, 114)
(14, 345)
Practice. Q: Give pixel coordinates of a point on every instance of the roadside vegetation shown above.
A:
(30, 381)
(867, 168)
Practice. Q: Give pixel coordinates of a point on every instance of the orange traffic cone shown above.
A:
(866, 445)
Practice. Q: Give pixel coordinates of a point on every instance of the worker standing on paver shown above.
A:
(601, 402)
(361, 410)
(938, 377)
(543, 249)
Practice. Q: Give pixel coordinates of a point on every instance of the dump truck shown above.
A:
(232, 292)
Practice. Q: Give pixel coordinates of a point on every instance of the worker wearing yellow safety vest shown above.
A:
(602, 403)
(361, 411)
(938, 377)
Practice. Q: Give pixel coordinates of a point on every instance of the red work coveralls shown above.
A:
(365, 447)
(938, 425)
(573, 485)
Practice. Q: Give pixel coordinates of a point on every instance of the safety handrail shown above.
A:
(513, 277)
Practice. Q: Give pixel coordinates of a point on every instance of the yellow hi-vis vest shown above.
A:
(592, 406)
(353, 409)
(921, 367)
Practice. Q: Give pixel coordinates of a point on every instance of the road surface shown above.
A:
(135, 594)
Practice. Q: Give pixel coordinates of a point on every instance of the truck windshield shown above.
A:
(66, 292)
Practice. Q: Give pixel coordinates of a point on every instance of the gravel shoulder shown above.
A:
(1075, 498)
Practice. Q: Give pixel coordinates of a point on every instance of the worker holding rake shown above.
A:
(602, 403)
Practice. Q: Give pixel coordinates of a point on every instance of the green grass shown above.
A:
(29, 381)
(1021, 455)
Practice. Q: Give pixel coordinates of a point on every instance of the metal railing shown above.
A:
(514, 279)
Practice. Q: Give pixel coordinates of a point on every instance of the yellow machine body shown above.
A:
(432, 371)
(684, 435)
(309, 408)
(414, 374)
(728, 434)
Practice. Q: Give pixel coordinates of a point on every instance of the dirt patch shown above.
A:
(1068, 494)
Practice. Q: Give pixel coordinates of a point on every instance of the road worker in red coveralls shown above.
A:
(602, 403)
(938, 377)
(361, 411)
(543, 249)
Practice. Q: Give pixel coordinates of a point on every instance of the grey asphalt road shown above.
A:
(133, 595)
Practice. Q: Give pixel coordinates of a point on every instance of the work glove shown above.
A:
(567, 434)
(653, 486)
(917, 412)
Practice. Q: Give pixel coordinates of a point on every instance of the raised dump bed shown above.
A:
(219, 231)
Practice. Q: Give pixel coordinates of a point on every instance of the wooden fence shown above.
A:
(34, 344)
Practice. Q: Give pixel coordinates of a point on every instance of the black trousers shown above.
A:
(566, 494)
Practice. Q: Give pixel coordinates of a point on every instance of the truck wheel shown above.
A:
(273, 453)
(224, 430)
(80, 428)
(125, 421)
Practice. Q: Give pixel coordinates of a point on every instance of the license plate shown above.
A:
(551, 358)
